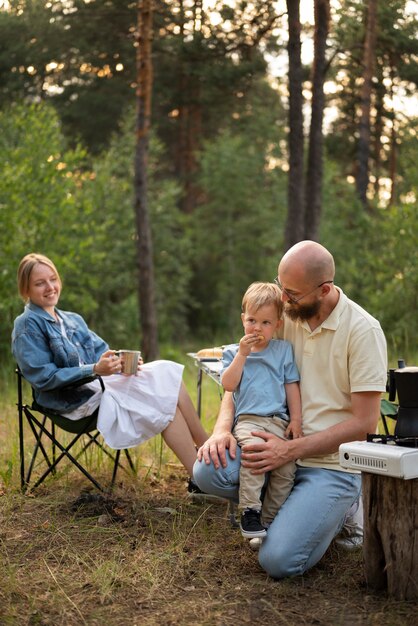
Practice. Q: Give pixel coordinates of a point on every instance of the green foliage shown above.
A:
(395, 77)
(238, 228)
(81, 215)
(111, 189)
(37, 198)
(393, 280)
(82, 58)
(77, 208)
(79, 55)
(376, 258)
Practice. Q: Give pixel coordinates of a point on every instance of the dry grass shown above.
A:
(147, 556)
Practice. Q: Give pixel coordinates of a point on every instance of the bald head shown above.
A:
(310, 261)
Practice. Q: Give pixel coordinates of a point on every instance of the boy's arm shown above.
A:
(294, 404)
(231, 376)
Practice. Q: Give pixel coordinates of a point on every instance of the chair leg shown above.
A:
(232, 514)
(111, 456)
(40, 429)
(53, 444)
(74, 461)
(115, 468)
(21, 438)
(64, 452)
(38, 445)
(118, 464)
(131, 464)
(385, 426)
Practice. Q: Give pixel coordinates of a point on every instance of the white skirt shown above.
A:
(133, 409)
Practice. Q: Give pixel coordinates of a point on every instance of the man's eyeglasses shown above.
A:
(294, 300)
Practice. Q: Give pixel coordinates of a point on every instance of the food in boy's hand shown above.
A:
(210, 353)
(260, 338)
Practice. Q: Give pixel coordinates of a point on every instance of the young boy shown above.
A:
(262, 373)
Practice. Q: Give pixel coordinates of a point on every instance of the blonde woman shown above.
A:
(55, 348)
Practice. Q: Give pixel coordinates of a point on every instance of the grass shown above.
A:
(147, 555)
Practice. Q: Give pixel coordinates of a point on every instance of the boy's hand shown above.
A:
(247, 342)
(294, 430)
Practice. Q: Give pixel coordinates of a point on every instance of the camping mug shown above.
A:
(130, 360)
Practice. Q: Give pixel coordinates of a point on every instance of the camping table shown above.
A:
(211, 367)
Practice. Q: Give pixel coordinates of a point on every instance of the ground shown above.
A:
(148, 555)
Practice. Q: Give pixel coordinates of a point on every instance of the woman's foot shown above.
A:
(197, 494)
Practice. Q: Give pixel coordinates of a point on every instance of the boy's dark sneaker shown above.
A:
(251, 525)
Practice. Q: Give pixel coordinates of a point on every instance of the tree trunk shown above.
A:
(393, 154)
(295, 206)
(391, 535)
(145, 262)
(393, 163)
(190, 132)
(362, 174)
(190, 114)
(313, 195)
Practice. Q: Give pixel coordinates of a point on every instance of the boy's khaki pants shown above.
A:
(280, 480)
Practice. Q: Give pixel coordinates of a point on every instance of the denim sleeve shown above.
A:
(99, 345)
(33, 354)
(89, 345)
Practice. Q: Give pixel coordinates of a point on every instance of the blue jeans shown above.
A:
(306, 523)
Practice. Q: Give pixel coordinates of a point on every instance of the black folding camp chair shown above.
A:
(47, 427)
(388, 410)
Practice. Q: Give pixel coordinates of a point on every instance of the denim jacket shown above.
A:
(49, 360)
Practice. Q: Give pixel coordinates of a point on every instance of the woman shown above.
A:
(55, 348)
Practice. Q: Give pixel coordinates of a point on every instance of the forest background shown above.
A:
(232, 177)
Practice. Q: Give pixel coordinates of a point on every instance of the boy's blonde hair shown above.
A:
(259, 294)
(25, 269)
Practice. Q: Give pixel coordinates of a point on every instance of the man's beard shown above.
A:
(302, 312)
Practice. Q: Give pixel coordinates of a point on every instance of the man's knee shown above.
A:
(203, 475)
(278, 562)
(222, 482)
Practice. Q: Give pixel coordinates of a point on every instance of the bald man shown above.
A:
(340, 351)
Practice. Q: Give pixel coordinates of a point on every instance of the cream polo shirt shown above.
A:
(345, 354)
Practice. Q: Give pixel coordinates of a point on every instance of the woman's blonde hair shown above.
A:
(261, 294)
(26, 266)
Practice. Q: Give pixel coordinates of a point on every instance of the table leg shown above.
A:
(199, 392)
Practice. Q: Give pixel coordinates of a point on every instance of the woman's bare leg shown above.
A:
(193, 422)
(178, 437)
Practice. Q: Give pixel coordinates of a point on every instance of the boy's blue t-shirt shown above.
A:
(261, 389)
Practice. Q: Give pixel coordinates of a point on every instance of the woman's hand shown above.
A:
(108, 364)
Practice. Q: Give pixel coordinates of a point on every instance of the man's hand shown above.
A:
(263, 457)
(214, 449)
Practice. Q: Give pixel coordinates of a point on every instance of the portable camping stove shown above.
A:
(381, 454)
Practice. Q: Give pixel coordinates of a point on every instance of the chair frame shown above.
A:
(41, 429)
(388, 409)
